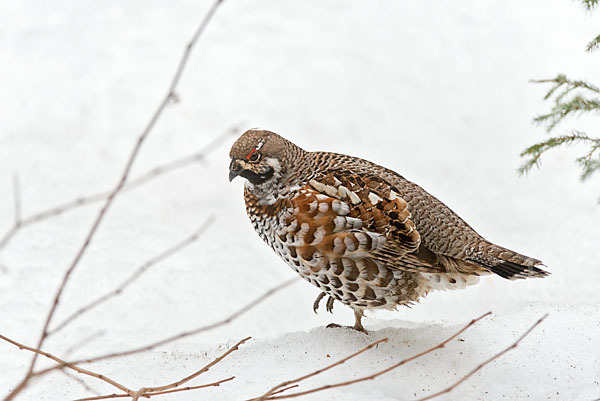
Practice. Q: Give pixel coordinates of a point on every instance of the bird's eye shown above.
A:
(253, 156)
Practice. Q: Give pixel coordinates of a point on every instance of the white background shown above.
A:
(438, 91)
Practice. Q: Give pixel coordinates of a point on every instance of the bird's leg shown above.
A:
(358, 314)
(330, 302)
(317, 301)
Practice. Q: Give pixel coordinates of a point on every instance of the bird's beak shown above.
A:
(234, 170)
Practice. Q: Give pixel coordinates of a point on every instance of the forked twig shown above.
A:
(148, 390)
(286, 385)
(127, 392)
(110, 396)
(481, 365)
(364, 378)
(64, 364)
(286, 389)
(135, 275)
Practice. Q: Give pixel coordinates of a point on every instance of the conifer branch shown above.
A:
(589, 162)
(589, 4)
(563, 106)
(594, 44)
(570, 97)
(561, 110)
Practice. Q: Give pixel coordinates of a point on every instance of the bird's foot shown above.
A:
(355, 327)
(328, 307)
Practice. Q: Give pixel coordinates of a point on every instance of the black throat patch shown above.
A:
(257, 179)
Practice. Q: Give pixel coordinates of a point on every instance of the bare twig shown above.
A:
(286, 389)
(64, 364)
(270, 395)
(481, 365)
(135, 275)
(286, 384)
(144, 391)
(130, 184)
(110, 396)
(148, 390)
(109, 199)
(369, 377)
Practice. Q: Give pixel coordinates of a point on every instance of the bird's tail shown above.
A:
(514, 271)
(506, 263)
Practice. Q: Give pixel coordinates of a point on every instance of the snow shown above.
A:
(438, 91)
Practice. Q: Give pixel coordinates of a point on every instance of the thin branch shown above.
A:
(135, 275)
(286, 389)
(148, 392)
(109, 200)
(110, 396)
(144, 391)
(214, 384)
(178, 383)
(286, 384)
(481, 365)
(134, 183)
(64, 364)
(376, 374)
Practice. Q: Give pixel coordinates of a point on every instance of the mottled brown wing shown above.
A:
(345, 215)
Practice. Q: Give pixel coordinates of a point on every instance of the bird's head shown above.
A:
(261, 158)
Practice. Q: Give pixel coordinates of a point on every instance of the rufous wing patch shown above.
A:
(386, 220)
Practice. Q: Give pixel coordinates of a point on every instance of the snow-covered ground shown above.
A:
(437, 91)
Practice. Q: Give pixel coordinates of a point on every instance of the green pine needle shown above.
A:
(593, 45)
(570, 97)
(589, 4)
(562, 110)
(589, 163)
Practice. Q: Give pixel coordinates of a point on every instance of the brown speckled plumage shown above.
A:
(361, 233)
